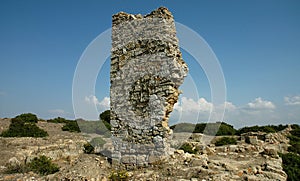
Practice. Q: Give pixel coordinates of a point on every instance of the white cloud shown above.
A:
(229, 106)
(91, 99)
(104, 104)
(192, 106)
(190, 110)
(292, 100)
(201, 105)
(256, 112)
(260, 104)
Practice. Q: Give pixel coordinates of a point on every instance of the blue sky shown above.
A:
(256, 42)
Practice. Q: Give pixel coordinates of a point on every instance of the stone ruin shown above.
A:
(146, 70)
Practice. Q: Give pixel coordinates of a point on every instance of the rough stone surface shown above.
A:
(146, 70)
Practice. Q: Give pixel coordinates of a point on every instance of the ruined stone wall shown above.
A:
(146, 70)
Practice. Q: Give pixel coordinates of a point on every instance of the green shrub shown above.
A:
(88, 148)
(218, 129)
(291, 166)
(107, 125)
(186, 147)
(40, 165)
(28, 118)
(105, 116)
(294, 148)
(11, 169)
(225, 141)
(267, 129)
(119, 175)
(295, 126)
(43, 165)
(21, 128)
(294, 140)
(57, 120)
(71, 126)
(98, 141)
(296, 132)
(225, 129)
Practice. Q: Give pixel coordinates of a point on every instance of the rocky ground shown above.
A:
(256, 160)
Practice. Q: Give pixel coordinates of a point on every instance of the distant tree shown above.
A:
(105, 116)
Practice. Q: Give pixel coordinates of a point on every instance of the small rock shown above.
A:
(180, 152)
(14, 161)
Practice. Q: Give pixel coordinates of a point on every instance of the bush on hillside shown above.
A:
(71, 126)
(267, 129)
(295, 126)
(57, 120)
(218, 129)
(294, 141)
(225, 129)
(291, 163)
(21, 128)
(28, 117)
(121, 175)
(226, 141)
(105, 116)
(43, 165)
(186, 147)
(88, 148)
